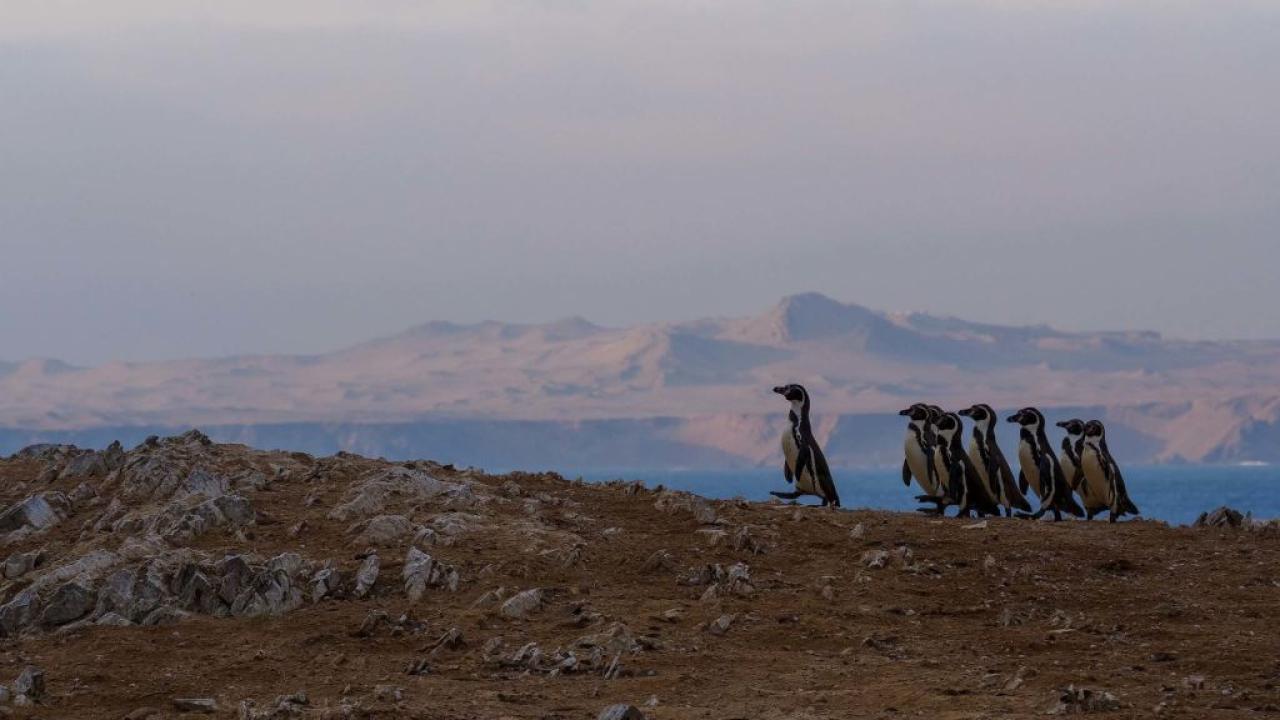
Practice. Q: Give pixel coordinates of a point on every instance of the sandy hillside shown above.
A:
(186, 570)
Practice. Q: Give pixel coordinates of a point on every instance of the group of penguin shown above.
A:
(977, 479)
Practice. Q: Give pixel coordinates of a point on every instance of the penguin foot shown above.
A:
(785, 495)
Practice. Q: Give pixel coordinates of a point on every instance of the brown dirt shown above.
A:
(1137, 609)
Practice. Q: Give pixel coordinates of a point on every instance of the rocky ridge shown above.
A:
(186, 577)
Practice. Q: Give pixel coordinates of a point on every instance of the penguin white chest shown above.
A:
(918, 464)
(1095, 491)
(1027, 460)
(940, 469)
(975, 457)
(791, 454)
(1068, 467)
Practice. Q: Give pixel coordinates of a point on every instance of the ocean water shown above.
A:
(1175, 494)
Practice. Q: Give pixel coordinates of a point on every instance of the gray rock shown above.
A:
(4, 695)
(113, 619)
(37, 512)
(198, 593)
(86, 465)
(325, 583)
(421, 571)
(268, 592)
(367, 575)
(200, 705)
(522, 605)
(721, 625)
(237, 509)
(19, 564)
(1222, 517)
(290, 563)
(1074, 700)
(875, 559)
(69, 602)
(621, 712)
(83, 494)
(19, 612)
(165, 615)
(383, 530)
(44, 451)
(236, 576)
(30, 683)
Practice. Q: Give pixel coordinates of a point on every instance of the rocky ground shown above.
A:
(187, 579)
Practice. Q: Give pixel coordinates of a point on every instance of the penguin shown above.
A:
(1070, 458)
(1040, 469)
(1102, 476)
(803, 461)
(990, 462)
(956, 472)
(918, 449)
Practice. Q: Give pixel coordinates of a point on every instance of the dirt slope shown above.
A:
(683, 607)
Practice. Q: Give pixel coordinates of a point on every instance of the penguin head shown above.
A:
(1028, 417)
(1073, 426)
(918, 412)
(982, 414)
(796, 395)
(935, 413)
(947, 426)
(1094, 432)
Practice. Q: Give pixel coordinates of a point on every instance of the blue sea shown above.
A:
(1176, 494)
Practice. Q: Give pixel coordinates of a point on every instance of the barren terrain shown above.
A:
(223, 573)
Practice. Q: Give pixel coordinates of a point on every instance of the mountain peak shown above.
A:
(813, 315)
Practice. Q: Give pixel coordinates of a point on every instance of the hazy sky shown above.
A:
(183, 179)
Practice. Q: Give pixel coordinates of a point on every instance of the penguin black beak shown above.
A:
(1014, 418)
(967, 412)
(1062, 424)
(906, 412)
(780, 390)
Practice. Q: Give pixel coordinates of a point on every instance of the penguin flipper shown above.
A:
(958, 479)
(1016, 498)
(786, 472)
(1023, 485)
(1066, 501)
(906, 474)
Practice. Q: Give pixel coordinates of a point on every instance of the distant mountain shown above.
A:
(706, 380)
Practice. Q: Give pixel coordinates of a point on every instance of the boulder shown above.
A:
(621, 712)
(197, 705)
(38, 512)
(382, 530)
(522, 605)
(18, 613)
(422, 571)
(325, 583)
(69, 602)
(721, 625)
(113, 619)
(19, 564)
(30, 683)
(1222, 517)
(367, 575)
